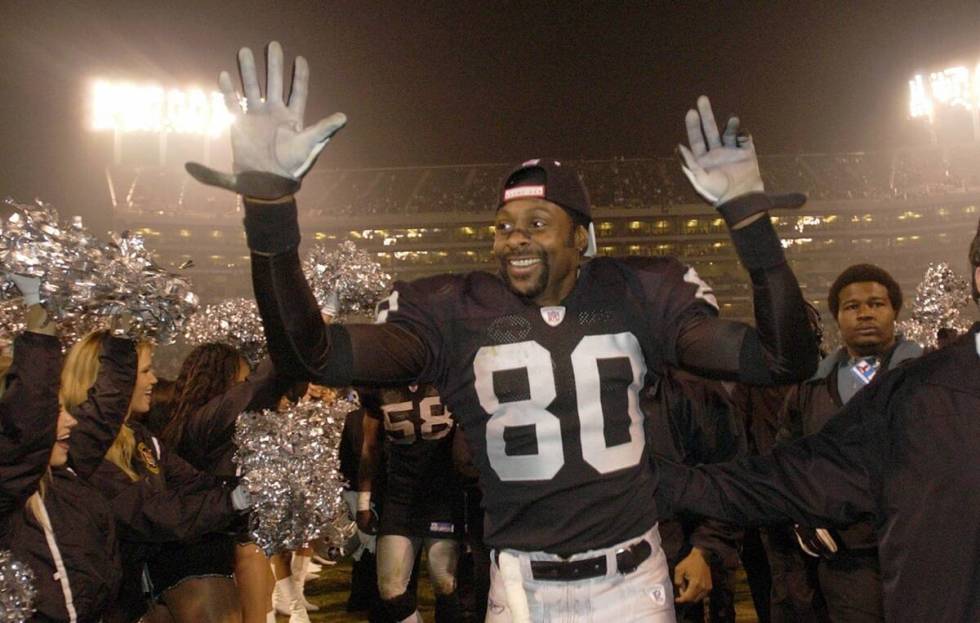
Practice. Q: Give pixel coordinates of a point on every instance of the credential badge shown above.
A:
(553, 315)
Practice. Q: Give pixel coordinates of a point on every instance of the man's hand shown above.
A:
(271, 148)
(719, 166)
(692, 578)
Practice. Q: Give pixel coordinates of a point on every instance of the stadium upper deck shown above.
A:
(901, 210)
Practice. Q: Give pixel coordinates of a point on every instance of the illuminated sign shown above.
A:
(955, 87)
(131, 107)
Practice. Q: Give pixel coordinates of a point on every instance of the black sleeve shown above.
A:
(191, 504)
(790, 420)
(300, 344)
(216, 419)
(718, 539)
(831, 478)
(28, 417)
(102, 414)
(781, 348)
(703, 429)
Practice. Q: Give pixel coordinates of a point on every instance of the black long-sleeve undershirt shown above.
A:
(780, 350)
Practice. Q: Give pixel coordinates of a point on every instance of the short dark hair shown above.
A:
(860, 273)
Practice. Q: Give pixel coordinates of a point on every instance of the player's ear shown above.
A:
(581, 238)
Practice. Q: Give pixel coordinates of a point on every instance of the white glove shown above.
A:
(720, 167)
(331, 306)
(268, 136)
(30, 288)
(241, 499)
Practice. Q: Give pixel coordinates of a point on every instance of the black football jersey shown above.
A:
(418, 434)
(548, 397)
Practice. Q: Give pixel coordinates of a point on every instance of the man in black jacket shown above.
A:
(904, 453)
(865, 300)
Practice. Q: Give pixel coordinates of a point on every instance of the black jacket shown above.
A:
(82, 539)
(810, 405)
(171, 502)
(690, 420)
(904, 453)
(207, 442)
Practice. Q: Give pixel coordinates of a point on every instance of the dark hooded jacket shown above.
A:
(810, 405)
(903, 453)
(75, 557)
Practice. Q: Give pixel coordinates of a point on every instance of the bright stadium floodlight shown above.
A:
(951, 88)
(920, 104)
(127, 107)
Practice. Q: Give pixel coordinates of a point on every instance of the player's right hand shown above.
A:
(271, 148)
(692, 578)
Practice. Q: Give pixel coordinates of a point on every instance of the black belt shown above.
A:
(627, 560)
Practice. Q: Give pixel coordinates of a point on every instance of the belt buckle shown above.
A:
(626, 559)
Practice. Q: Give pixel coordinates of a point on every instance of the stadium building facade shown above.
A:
(901, 210)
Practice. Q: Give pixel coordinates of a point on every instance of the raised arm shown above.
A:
(28, 413)
(207, 437)
(299, 341)
(780, 349)
(102, 414)
(272, 151)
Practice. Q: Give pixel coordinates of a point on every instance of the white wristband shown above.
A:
(363, 501)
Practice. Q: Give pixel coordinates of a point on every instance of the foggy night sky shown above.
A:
(431, 82)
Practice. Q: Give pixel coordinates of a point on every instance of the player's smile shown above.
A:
(535, 243)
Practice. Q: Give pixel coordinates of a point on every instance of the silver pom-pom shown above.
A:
(941, 300)
(358, 281)
(290, 465)
(11, 320)
(85, 280)
(235, 322)
(17, 590)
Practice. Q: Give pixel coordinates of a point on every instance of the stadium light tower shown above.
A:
(127, 107)
(940, 91)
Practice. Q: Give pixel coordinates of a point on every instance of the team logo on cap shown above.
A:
(523, 191)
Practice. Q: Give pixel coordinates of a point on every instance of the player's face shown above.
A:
(866, 318)
(539, 249)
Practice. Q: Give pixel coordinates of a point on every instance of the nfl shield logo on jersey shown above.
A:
(658, 594)
(553, 315)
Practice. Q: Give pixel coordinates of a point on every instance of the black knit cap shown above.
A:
(548, 179)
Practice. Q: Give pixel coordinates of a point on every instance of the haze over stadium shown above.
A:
(872, 112)
(854, 105)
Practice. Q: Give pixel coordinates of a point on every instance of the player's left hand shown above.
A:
(271, 148)
(719, 166)
(692, 578)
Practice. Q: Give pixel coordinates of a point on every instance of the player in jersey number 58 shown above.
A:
(542, 364)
